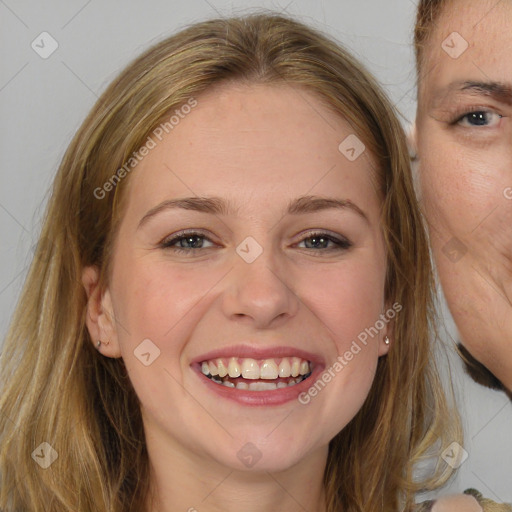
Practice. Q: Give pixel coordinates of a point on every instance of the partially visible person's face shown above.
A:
(464, 139)
(249, 244)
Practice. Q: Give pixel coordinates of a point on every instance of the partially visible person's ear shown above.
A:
(412, 144)
(100, 318)
(412, 141)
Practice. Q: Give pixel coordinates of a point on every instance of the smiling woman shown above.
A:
(267, 248)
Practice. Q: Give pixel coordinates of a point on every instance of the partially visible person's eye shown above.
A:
(188, 241)
(324, 241)
(479, 118)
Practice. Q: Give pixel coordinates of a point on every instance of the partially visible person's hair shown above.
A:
(58, 389)
(477, 371)
(427, 15)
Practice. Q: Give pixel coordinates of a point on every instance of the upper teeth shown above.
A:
(253, 369)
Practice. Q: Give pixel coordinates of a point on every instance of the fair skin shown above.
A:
(464, 143)
(459, 503)
(257, 149)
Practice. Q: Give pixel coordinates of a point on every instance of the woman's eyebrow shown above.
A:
(218, 206)
(498, 91)
(213, 205)
(308, 204)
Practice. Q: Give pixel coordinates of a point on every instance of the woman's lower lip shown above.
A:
(272, 397)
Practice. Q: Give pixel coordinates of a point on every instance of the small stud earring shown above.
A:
(98, 345)
(386, 340)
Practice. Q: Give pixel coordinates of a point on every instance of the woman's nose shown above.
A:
(259, 291)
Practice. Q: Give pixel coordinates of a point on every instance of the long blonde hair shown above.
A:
(58, 389)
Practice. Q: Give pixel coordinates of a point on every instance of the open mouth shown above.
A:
(257, 375)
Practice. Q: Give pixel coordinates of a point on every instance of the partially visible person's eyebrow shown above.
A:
(498, 91)
(217, 206)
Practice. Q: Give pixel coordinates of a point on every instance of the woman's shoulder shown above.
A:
(470, 501)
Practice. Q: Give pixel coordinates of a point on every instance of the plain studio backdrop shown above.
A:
(44, 98)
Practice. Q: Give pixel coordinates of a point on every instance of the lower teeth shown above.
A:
(259, 385)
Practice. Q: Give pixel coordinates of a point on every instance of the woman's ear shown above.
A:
(100, 319)
(386, 334)
(385, 343)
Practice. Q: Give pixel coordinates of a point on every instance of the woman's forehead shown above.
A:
(255, 138)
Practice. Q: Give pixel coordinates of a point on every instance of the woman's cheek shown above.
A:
(353, 301)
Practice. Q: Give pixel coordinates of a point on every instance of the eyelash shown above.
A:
(182, 235)
(342, 243)
(482, 111)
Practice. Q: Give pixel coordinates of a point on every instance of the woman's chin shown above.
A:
(254, 463)
(261, 457)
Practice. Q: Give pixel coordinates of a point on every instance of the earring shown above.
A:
(98, 345)
(386, 340)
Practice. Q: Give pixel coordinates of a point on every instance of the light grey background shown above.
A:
(43, 101)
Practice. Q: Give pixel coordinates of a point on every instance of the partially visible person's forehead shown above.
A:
(470, 42)
(475, 21)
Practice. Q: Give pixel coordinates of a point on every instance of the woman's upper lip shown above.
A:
(258, 352)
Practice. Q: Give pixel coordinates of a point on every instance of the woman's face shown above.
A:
(464, 137)
(250, 243)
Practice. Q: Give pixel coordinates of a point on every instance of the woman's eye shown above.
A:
(479, 118)
(188, 241)
(324, 241)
